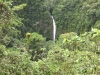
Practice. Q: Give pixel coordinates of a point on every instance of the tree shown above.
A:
(76, 15)
(36, 17)
(9, 22)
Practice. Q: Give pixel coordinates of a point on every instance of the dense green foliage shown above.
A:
(36, 17)
(72, 55)
(74, 15)
(26, 30)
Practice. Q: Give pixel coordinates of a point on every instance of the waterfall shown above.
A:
(54, 28)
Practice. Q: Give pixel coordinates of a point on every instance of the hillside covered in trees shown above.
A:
(26, 37)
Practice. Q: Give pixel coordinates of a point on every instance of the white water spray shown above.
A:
(54, 28)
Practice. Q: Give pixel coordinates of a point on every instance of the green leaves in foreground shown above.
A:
(77, 55)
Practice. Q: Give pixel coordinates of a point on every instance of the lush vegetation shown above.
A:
(26, 45)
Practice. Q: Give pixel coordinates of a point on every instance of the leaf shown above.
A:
(19, 7)
(64, 40)
(0, 0)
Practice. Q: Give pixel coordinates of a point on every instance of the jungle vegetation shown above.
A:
(26, 45)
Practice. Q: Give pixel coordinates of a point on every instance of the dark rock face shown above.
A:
(51, 10)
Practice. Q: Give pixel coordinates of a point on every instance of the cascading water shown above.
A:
(54, 28)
